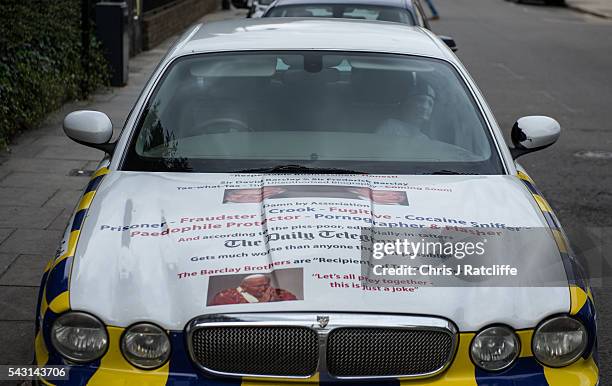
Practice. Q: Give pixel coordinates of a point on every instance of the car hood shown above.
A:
(167, 247)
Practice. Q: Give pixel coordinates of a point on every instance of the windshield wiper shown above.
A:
(449, 172)
(299, 169)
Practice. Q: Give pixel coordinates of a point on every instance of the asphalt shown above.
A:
(531, 59)
(527, 58)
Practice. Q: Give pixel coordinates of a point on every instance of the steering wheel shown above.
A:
(224, 125)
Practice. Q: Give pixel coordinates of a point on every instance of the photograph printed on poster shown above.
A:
(277, 286)
(256, 195)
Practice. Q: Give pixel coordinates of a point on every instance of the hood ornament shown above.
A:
(322, 320)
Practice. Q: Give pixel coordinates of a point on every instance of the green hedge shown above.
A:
(40, 61)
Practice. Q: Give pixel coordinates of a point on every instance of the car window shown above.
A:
(346, 11)
(373, 113)
(303, 11)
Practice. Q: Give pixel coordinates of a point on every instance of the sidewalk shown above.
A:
(601, 8)
(40, 184)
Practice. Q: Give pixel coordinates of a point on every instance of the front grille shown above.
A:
(382, 352)
(336, 345)
(268, 350)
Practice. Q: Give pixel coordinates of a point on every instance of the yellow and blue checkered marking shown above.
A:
(54, 295)
(575, 273)
(582, 305)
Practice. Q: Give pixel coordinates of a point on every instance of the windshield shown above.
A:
(346, 11)
(362, 112)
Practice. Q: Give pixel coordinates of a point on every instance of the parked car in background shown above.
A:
(409, 12)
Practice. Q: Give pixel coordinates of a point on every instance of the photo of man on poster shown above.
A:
(255, 288)
(381, 197)
(255, 195)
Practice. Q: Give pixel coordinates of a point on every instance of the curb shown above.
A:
(588, 11)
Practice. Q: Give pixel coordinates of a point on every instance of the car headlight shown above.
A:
(559, 341)
(495, 348)
(79, 337)
(145, 346)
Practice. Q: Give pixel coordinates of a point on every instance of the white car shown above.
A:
(247, 225)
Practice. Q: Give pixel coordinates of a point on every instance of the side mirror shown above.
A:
(90, 128)
(450, 42)
(533, 133)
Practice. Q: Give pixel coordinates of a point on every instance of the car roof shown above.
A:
(389, 3)
(311, 34)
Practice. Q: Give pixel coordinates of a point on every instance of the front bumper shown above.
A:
(114, 370)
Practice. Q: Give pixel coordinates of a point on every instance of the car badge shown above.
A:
(323, 320)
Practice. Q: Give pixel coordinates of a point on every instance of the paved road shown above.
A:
(533, 59)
